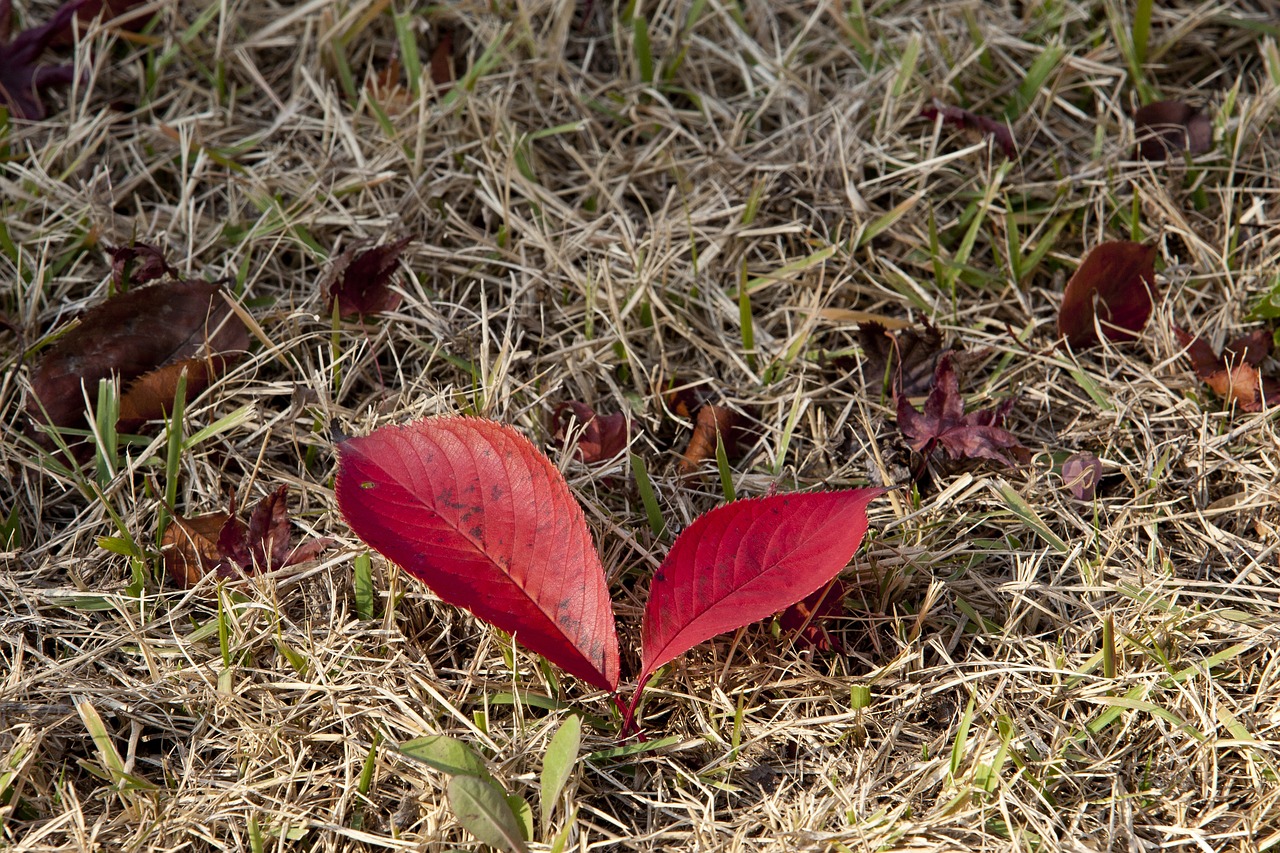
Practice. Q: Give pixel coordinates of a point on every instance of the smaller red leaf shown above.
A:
(1119, 278)
(973, 123)
(602, 436)
(359, 280)
(137, 264)
(809, 617)
(1165, 128)
(747, 560)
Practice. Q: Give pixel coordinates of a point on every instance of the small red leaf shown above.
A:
(477, 513)
(1081, 473)
(747, 560)
(138, 264)
(360, 279)
(808, 618)
(1168, 127)
(974, 123)
(1120, 278)
(602, 437)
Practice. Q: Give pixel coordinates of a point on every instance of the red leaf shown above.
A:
(360, 279)
(442, 61)
(603, 436)
(1120, 277)
(21, 78)
(1164, 128)
(747, 560)
(974, 123)
(473, 510)
(138, 264)
(1234, 375)
(943, 423)
(809, 617)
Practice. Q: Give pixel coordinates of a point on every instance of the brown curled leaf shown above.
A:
(603, 436)
(712, 421)
(1234, 374)
(974, 124)
(138, 264)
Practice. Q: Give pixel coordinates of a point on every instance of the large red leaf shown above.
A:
(745, 561)
(477, 513)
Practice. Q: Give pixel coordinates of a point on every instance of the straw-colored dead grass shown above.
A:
(581, 233)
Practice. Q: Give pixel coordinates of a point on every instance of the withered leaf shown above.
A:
(1081, 473)
(359, 279)
(152, 394)
(1117, 278)
(1165, 128)
(442, 61)
(943, 423)
(138, 264)
(1234, 374)
(221, 542)
(911, 354)
(21, 78)
(603, 436)
(973, 123)
(807, 619)
(130, 336)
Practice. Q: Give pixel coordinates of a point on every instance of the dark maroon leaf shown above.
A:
(1081, 473)
(130, 336)
(442, 61)
(138, 264)
(911, 353)
(1165, 128)
(943, 423)
(1234, 374)
(21, 78)
(1117, 279)
(603, 436)
(974, 124)
(360, 279)
(807, 619)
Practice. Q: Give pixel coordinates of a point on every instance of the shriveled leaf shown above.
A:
(222, 543)
(911, 353)
(602, 437)
(944, 424)
(747, 560)
(359, 279)
(446, 754)
(130, 336)
(713, 420)
(1119, 278)
(472, 509)
(1234, 374)
(190, 547)
(482, 807)
(807, 619)
(22, 78)
(558, 764)
(974, 124)
(1165, 128)
(1080, 474)
(138, 264)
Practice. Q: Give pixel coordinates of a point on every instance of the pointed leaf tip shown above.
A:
(747, 560)
(472, 509)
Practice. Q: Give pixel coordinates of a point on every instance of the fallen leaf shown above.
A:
(943, 423)
(744, 561)
(1165, 128)
(21, 78)
(910, 353)
(807, 619)
(709, 420)
(1117, 278)
(442, 61)
(152, 394)
(385, 88)
(602, 437)
(138, 264)
(130, 336)
(222, 543)
(1234, 374)
(359, 280)
(974, 124)
(1081, 473)
(476, 512)
(110, 10)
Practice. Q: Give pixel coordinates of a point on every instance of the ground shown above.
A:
(610, 202)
